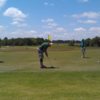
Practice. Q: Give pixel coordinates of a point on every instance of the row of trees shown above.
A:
(37, 41)
(93, 42)
(89, 42)
(21, 41)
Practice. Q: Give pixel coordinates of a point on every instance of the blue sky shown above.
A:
(62, 19)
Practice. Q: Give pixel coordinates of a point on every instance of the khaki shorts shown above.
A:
(83, 49)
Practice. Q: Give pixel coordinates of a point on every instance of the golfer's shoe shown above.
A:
(43, 66)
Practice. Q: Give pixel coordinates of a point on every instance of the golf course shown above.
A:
(72, 78)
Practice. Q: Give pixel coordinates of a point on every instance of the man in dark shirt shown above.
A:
(41, 50)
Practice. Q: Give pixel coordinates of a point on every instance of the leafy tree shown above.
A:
(72, 43)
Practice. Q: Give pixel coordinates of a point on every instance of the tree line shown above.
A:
(37, 41)
(94, 42)
(21, 41)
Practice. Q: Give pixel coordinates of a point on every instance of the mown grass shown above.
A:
(73, 77)
(50, 86)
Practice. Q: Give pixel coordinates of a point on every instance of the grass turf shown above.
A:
(50, 86)
(74, 78)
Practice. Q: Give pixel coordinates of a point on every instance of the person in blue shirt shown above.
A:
(83, 48)
(43, 50)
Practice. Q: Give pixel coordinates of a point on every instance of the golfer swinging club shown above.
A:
(41, 50)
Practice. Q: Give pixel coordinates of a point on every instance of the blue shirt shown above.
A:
(82, 44)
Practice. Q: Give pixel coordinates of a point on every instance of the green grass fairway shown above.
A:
(73, 77)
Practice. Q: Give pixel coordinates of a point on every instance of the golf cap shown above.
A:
(51, 43)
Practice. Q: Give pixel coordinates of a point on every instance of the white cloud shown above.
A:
(22, 33)
(2, 31)
(60, 30)
(80, 30)
(49, 23)
(83, 1)
(80, 33)
(33, 31)
(91, 32)
(2, 3)
(48, 4)
(15, 14)
(57, 31)
(95, 30)
(88, 30)
(49, 20)
(18, 17)
(87, 21)
(2, 28)
(87, 15)
(19, 24)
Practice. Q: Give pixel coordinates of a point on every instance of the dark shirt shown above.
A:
(44, 47)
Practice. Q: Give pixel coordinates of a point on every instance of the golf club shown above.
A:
(50, 63)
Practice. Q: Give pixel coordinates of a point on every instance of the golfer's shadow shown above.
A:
(51, 67)
(86, 57)
(1, 61)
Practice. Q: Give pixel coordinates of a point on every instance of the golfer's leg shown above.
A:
(40, 57)
(84, 52)
(41, 62)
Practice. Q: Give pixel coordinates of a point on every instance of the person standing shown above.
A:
(83, 48)
(43, 50)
